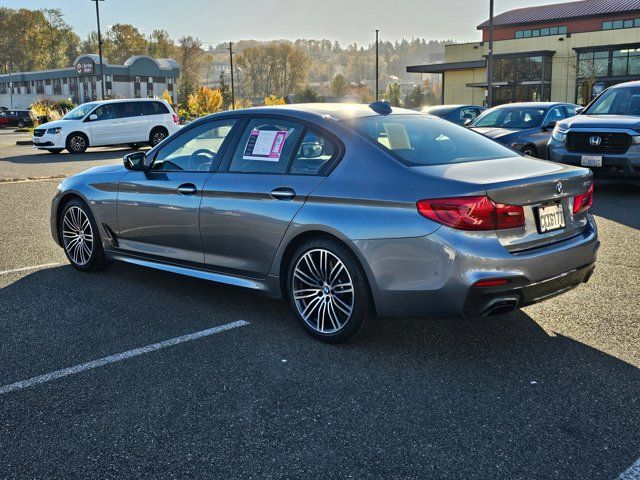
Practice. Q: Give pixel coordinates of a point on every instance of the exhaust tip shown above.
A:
(501, 307)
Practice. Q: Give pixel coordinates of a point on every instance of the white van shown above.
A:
(132, 122)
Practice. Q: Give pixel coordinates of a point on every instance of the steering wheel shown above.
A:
(196, 163)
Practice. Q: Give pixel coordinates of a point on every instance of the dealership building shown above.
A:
(139, 77)
(562, 52)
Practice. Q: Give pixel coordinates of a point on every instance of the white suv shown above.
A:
(130, 122)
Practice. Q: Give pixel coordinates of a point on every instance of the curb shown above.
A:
(24, 142)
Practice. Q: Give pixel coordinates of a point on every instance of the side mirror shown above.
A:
(93, 117)
(136, 161)
(550, 126)
(579, 110)
(467, 122)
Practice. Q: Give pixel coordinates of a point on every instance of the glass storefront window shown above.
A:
(619, 62)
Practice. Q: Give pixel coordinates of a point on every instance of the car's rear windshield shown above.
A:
(418, 140)
(617, 101)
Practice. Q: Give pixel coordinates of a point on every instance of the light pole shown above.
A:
(10, 88)
(233, 94)
(100, 48)
(490, 59)
(377, 67)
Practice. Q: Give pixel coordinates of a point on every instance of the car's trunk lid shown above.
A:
(527, 182)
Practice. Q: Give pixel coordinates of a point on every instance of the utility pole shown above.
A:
(233, 93)
(490, 59)
(10, 88)
(378, 67)
(100, 48)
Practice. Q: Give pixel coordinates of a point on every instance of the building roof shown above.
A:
(446, 67)
(560, 11)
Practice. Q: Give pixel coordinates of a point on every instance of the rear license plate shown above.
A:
(550, 218)
(591, 160)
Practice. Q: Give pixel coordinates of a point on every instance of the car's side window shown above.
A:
(129, 109)
(195, 150)
(105, 112)
(266, 145)
(468, 113)
(571, 110)
(555, 115)
(153, 108)
(314, 153)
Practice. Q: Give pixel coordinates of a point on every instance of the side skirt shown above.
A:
(269, 285)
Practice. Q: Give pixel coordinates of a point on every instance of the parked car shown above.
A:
(110, 122)
(15, 118)
(526, 126)
(347, 211)
(458, 114)
(605, 136)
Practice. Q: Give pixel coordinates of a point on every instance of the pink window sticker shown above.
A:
(278, 144)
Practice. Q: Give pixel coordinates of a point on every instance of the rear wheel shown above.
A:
(157, 135)
(80, 237)
(77, 143)
(328, 291)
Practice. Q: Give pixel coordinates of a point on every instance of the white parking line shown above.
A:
(119, 357)
(34, 267)
(631, 473)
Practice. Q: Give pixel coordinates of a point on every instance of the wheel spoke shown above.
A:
(313, 270)
(342, 306)
(306, 278)
(306, 293)
(311, 307)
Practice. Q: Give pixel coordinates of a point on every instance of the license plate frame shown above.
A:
(591, 161)
(550, 217)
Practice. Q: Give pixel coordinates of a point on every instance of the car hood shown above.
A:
(113, 168)
(503, 133)
(54, 124)
(601, 121)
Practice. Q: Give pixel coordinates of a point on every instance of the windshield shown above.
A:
(511, 118)
(617, 101)
(80, 111)
(418, 140)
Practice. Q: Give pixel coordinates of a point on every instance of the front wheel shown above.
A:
(328, 291)
(80, 238)
(77, 143)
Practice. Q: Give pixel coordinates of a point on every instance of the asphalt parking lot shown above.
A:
(549, 392)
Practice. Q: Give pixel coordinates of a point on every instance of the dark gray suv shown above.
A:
(605, 137)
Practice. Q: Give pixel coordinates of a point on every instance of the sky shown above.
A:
(348, 21)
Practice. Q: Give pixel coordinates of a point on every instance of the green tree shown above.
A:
(160, 45)
(190, 56)
(416, 98)
(307, 95)
(393, 94)
(124, 41)
(225, 91)
(339, 85)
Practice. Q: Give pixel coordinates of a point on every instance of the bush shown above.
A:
(64, 105)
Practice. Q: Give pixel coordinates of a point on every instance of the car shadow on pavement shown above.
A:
(617, 201)
(497, 397)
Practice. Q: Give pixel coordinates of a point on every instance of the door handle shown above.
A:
(283, 193)
(187, 189)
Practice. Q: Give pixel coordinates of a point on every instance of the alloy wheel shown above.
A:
(157, 138)
(77, 143)
(77, 235)
(323, 291)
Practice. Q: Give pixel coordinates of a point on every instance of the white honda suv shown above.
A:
(132, 122)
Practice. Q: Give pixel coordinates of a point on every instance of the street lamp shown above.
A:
(100, 47)
(377, 66)
(490, 59)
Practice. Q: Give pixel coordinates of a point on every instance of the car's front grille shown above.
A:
(38, 132)
(598, 142)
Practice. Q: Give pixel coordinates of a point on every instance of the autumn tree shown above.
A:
(190, 55)
(273, 100)
(339, 85)
(205, 101)
(124, 41)
(160, 45)
(166, 95)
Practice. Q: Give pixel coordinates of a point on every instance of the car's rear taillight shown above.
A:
(582, 202)
(176, 120)
(472, 213)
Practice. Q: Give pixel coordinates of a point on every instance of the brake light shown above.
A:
(472, 213)
(176, 120)
(582, 202)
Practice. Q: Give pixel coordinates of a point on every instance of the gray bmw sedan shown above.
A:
(347, 211)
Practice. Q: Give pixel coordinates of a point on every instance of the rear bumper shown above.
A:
(433, 276)
(626, 165)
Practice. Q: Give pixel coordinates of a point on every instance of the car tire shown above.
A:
(77, 143)
(157, 135)
(80, 238)
(530, 150)
(54, 150)
(328, 291)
